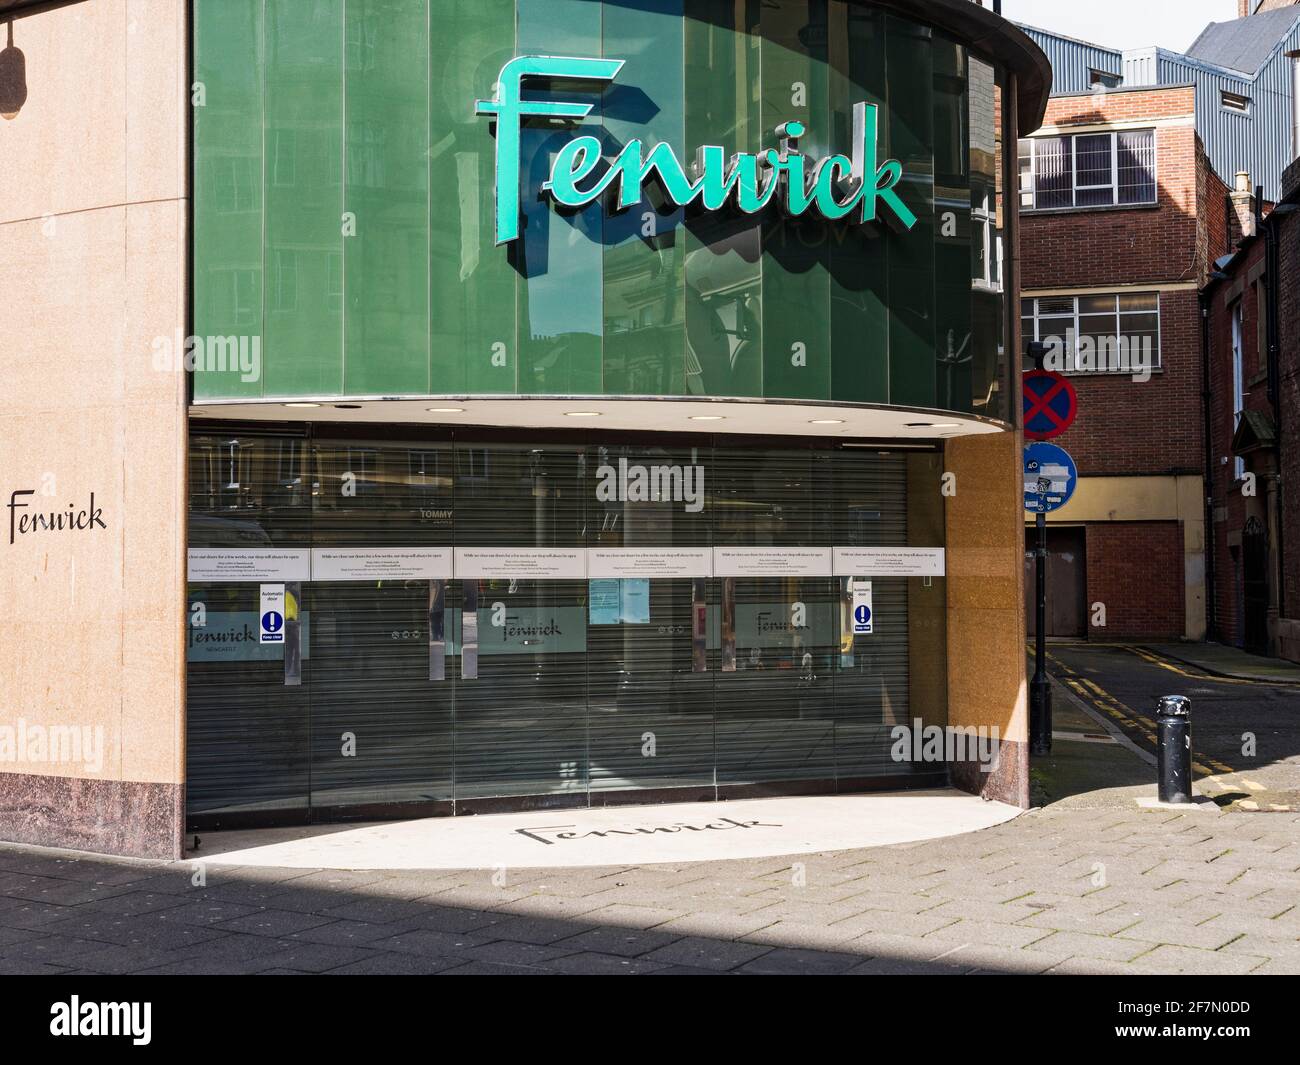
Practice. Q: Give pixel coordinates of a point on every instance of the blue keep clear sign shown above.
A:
(1050, 478)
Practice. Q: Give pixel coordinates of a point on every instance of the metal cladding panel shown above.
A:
(1259, 141)
(1073, 60)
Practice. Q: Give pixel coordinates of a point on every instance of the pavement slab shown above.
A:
(1087, 883)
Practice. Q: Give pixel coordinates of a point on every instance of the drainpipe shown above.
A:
(1273, 288)
(1211, 611)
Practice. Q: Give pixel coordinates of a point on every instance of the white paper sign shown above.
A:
(649, 562)
(253, 564)
(772, 561)
(863, 619)
(1057, 476)
(529, 563)
(889, 562)
(270, 613)
(380, 563)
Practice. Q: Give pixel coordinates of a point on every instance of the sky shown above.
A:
(1172, 24)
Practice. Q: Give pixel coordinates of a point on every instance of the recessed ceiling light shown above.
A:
(947, 425)
(582, 414)
(708, 417)
(445, 410)
(827, 421)
(347, 406)
(302, 404)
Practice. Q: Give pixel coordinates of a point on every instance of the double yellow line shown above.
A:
(1164, 663)
(1124, 715)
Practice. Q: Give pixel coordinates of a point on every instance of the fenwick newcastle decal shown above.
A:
(837, 187)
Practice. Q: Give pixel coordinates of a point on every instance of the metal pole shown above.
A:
(1040, 689)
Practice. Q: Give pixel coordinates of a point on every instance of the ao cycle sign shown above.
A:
(851, 188)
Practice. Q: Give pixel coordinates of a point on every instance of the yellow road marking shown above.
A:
(1156, 660)
(1102, 700)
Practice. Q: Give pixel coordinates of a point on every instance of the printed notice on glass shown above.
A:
(772, 561)
(259, 564)
(649, 562)
(380, 563)
(527, 563)
(889, 562)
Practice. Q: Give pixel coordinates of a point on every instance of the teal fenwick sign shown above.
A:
(837, 187)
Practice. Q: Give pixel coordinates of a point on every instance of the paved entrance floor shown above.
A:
(1088, 883)
(1107, 888)
(624, 835)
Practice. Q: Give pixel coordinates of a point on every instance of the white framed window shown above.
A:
(988, 241)
(1234, 101)
(1088, 170)
(1295, 106)
(1116, 333)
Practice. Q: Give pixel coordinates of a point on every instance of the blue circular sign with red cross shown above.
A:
(1050, 404)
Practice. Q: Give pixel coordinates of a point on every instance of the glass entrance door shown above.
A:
(521, 653)
(496, 623)
(381, 722)
(521, 691)
(650, 695)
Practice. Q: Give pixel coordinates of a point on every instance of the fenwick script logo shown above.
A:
(837, 187)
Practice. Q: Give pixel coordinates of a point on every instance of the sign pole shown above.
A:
(1040, 689)
(1050, 407)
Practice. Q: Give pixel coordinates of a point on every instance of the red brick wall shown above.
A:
(1231, 507)
(1289, 373)
(1136, 570)
(1129, 245)
(1127, 427)
(1152, 427)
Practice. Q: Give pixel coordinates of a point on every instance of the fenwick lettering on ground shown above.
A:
(837, 187)
(570, 832)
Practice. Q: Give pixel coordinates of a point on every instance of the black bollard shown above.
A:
(1174, 757)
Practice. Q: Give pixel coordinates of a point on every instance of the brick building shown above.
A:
(1252, 302)
(1132, 270)
(1126, 206)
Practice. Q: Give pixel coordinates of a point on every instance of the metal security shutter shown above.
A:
(872, 681)
(381, 728)
(246, 730)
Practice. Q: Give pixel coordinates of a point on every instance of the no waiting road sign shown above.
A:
(1050, 404)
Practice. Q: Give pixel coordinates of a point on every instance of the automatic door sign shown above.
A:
(271, 613)
(1050, 478)
(1050, 404)
(863, 620)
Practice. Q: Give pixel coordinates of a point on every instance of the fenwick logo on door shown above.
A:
(837, 187)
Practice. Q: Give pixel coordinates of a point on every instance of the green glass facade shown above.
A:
(344, 212)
